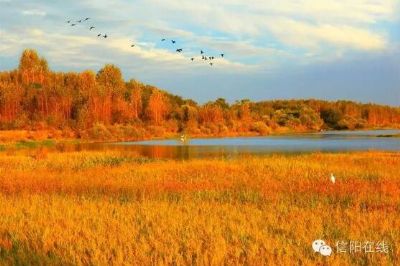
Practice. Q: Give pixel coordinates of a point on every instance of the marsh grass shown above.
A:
(100, 208)
(20, 254)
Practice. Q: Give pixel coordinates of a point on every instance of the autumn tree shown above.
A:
(86, 100)
(112, 87)
(135, 98)
(33, 95)
(11, 95)
(211, 113)
(33, 68)
(157, 107)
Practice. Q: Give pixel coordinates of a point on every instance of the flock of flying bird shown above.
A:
(204, 57)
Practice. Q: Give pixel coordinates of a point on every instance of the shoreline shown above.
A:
(8, 137)
(43, 146)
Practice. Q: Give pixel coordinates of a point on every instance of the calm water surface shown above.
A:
(329, 141)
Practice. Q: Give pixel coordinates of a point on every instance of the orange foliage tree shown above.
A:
(157, 107)
(33, 95)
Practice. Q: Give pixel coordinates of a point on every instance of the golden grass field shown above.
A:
(107, 208)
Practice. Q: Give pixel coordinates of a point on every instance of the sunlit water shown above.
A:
(328, 141)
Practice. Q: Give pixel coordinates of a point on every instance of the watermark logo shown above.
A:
(351, 247)
(321, 247)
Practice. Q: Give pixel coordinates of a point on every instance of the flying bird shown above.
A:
(173, 41)
(192, 58)
(98, 35)
(333, 178)
(179, 50)
(79, 21)
(87, 19)
(69, 21)
(105, 36)
(132, 45)
(91, 28)
(222, 55)
(211, 64)
(201, 52)
(163, 40)
(73, 24)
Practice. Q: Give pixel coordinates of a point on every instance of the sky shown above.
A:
(325, 49)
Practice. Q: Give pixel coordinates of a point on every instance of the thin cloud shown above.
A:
(34, 12)
(346, 24)
(260, 40)
(308, 35)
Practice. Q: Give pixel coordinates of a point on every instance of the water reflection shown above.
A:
(158, 151)
(332, 141)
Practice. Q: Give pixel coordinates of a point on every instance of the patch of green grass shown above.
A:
(26, 144)
(23, 144)
(48, 143)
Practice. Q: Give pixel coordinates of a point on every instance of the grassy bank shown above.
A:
(98, 208)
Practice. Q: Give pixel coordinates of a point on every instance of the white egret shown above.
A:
(333, 178)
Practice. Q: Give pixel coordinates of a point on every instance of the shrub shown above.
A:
(99, 132)
(261, 128)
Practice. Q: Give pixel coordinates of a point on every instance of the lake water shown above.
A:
(327, 141)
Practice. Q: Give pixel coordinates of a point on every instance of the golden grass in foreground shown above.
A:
(97, 208)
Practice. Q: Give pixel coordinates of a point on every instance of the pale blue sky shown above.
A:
(322, 49)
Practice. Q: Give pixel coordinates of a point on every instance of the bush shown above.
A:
(157, 131)
(99, 132)
(261, 128)
(331, 117)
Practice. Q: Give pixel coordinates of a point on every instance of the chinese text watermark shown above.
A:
(351, 247)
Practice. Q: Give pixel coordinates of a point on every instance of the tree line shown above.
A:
(33, 96)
